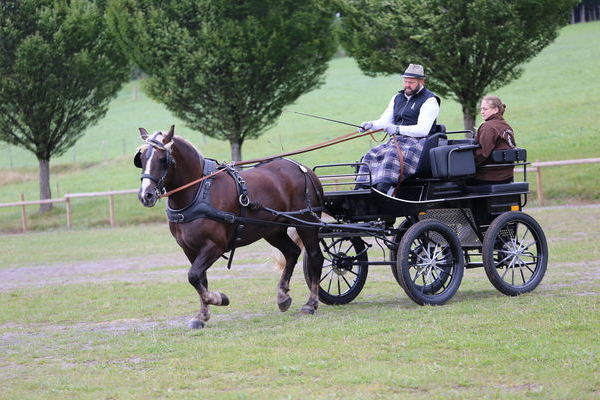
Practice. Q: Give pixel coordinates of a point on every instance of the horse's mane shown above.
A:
(187, 143)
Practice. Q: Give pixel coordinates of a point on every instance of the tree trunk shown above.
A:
(236, 149)
(45, 185)
(469, 119)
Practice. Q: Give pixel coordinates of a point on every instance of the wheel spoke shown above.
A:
(508, 267)
(443, 271)
(418, 256)
(329, 285)
(504, 259)
(522, 275)
(350, 245)
(352, 272)
(347, 283)
(325, 276)
(524, 235)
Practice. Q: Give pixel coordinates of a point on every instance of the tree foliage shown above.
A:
(225, 67)
(59, 69)
(468, 48)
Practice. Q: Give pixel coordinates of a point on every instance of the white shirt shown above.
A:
(427, 115)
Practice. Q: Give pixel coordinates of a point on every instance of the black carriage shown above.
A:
(434, 227)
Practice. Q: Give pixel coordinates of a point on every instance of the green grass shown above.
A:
(121, 334)
(553, 108)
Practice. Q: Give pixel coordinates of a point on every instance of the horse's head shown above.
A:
(156, 160)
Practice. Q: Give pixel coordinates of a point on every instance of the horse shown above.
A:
(169, 162)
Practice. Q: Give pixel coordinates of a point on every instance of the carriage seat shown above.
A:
(501, 158)
(514, 187)
(423, 169)
(452, 161)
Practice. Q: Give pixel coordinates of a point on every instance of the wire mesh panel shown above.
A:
(455, 218)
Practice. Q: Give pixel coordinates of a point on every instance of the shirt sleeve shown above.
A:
(427, 115)
(486, 138)
(387, 117)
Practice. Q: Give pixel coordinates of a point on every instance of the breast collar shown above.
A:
(201, 206)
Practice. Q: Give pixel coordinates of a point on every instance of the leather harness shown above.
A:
(201, 206)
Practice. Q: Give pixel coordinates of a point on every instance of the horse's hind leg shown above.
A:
(315, 264)
(197, 278)
(291, 252)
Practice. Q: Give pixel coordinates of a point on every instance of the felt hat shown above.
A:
(414, 71)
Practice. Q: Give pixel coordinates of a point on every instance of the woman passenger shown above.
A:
(493, 134)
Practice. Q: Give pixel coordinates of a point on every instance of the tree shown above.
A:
(469, 48)
(225, 67)
(58, 71)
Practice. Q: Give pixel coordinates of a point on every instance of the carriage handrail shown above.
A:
(462, 131)
(356, 175)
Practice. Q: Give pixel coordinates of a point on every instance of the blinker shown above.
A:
(137, 159)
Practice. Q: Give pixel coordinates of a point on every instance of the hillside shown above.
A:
(553, 108)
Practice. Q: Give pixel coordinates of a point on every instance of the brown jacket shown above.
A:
(494, 134)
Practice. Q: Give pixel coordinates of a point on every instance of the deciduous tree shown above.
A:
(225, 67)
(468, 48)
(58, 71)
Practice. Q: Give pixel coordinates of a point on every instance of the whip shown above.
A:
(323, 118)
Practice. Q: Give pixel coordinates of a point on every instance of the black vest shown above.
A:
(406, 111)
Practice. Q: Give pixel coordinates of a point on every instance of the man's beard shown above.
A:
(410, 92)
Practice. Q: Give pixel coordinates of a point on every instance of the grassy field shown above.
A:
(553, 108)
(105, 318)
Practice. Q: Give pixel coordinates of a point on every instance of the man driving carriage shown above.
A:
(409, 117)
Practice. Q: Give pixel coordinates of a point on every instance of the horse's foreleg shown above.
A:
(197, 278)
(291, 252)
(315, 264)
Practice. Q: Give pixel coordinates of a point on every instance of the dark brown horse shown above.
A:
(169, 162)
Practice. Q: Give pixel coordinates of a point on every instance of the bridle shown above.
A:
(160, 182)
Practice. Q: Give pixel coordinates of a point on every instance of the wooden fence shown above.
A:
(535, 167)
(538, 165)
(69, 207)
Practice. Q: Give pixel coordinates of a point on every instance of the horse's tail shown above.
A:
(278, 257)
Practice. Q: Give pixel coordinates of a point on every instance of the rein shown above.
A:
(327, 143)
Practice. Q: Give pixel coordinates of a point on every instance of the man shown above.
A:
(409, 117)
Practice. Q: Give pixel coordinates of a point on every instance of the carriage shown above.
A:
(434, 227)
(446, 224)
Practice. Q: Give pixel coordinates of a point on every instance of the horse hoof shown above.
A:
(196, 324)
(307, 310)
(285, 305)
(224, 300)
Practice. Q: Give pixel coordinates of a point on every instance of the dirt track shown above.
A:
(172, 267)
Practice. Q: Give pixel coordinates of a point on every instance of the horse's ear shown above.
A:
(169, 136)
(144, 133)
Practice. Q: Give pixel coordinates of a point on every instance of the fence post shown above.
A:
(538, 183)
(68, 204)
(111, 210)
(23, 214)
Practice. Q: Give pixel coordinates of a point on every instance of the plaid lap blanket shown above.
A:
(384, 162)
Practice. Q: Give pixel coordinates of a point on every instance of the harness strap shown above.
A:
(238, 230)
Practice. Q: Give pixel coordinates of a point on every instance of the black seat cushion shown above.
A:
(517, 187)
(452, 161)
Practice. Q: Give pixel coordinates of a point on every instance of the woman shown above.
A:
(493, 134)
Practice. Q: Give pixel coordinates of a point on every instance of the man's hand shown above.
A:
(365, 126)
(392, 130)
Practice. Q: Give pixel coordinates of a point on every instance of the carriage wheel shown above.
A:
(515, 253)
(342, 278)
(430, 263)
(403, 225)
